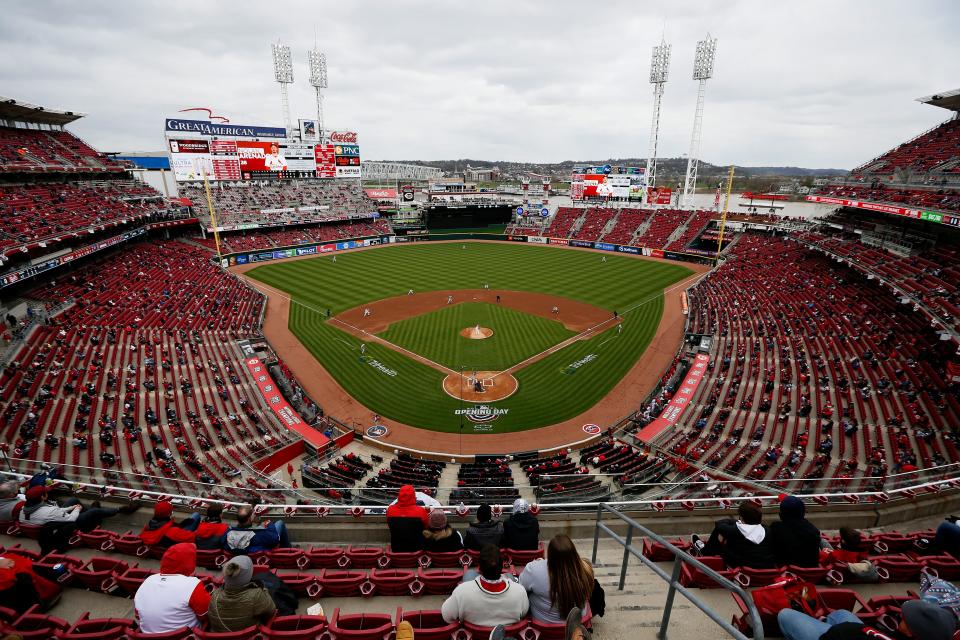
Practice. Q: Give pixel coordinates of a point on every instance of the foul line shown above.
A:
(566, 343)
(373, 338)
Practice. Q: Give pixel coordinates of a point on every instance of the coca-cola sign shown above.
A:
(343, 137)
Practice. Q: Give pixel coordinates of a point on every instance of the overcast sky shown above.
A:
(813, 84)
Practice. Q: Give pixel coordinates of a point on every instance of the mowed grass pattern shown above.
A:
(549, 392)
(516, 336)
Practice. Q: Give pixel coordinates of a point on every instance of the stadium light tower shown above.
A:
(318, 78)
(283, 73)
(659, 70)
(702, 71)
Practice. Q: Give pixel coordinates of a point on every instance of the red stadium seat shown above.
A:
(360, 626)
(98, 573)
(86, 628)
(429, 625)
(293, 628)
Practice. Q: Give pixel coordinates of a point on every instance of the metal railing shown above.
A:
(673, 578)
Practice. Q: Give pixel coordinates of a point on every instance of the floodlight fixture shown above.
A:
(318, 68)
(703, 60)
(660, 63)
(282, 63)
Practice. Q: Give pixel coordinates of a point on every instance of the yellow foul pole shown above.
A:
(213, 216)
(723, 216)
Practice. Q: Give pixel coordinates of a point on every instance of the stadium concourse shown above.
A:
(135, 366)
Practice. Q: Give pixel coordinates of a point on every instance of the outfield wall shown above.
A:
(320, 248)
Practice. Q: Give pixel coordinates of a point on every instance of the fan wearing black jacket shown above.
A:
(484, 531)
(521, 531)
(794, 539)
(742, 542)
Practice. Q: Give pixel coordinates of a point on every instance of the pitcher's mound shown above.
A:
(476, 333)
(494, 384)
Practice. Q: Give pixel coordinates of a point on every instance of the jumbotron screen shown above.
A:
(233, 152)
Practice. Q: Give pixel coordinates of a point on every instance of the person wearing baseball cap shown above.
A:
(241, 602)
(920, 619)
(40, 511)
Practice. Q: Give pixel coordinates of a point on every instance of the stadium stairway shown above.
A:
(642, 229)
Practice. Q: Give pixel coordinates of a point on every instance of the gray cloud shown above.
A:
(815, 83)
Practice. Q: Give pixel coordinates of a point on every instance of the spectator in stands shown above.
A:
(559, 583)
(173, 598)
(439, 536)
(39, 511)
(742, 542)
(521, 531)
(920, 619)
(488, 600)
(240, 602)
(162, 531)
(484, 531)
(947, 539)
(407, 521)
(21, 588)
(211, 529)
(850, 548)
(246, 537)
(794, 539)
(10, 497)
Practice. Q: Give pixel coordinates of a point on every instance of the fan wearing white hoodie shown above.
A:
(742, 542)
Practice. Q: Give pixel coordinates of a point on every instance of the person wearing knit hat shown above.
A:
(521, 531)
(440, 536)
(241, 602)
(919, 619)
(794, 539)
(485, 530)
(162, 531)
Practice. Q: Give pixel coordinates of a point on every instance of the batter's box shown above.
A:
(487, 382)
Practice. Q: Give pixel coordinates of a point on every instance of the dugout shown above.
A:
(465, 216)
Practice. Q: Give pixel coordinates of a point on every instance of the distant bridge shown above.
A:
(397, 171)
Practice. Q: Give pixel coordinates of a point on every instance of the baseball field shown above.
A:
(560, 328)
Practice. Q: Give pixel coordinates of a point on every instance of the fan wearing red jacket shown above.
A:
(173, 598)
(162, 531)
(407, 521)
(210, 531)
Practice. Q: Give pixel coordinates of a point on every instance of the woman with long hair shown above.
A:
(559, 583)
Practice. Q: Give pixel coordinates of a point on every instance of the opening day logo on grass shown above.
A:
(481, 413)
(382, 368)
(573, 366)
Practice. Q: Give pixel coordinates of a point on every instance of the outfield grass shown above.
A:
(516, 336)
(550, 391)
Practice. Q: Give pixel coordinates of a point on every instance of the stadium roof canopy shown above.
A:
(947, 99)
(11, 109)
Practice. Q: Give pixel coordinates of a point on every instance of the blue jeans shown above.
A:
(800, 626)
(948, 538)
(281, 529)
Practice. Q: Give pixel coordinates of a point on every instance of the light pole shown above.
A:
(461, 409)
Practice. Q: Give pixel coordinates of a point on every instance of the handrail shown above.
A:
(680, 558)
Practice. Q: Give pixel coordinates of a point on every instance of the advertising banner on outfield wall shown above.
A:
(537, 239)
